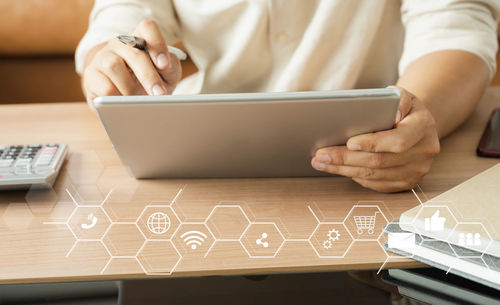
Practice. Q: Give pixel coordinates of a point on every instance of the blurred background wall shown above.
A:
(37, 43)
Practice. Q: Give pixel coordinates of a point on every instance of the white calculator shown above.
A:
(23, 166)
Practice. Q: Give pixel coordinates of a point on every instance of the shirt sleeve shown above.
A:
(110, 18)
(434, 25)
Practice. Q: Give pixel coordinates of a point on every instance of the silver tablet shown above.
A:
(239, 135)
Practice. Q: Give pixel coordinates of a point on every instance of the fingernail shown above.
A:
(319, 166)
(162, 61)
(353, 146)
(158, 90)
(324, 158)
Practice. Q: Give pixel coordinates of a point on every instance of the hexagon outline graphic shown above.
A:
(330, 223)
(435, 206)
(229, 206)
(109, 229)
(487, 264)
(89, 206)
(263, 256)
(158, 273)
(366, 206)
(390, 254)
(96, 170)
(490, 241)
(174, 213)
(196, 223)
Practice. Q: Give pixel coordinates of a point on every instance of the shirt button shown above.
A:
(281, 37)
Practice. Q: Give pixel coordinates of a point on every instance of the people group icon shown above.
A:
(469, 239)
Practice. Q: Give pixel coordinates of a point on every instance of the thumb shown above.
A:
(405, 103)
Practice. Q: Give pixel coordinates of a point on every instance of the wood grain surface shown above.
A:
(36, 243)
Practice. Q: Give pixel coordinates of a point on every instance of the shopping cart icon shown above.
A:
(365, 223)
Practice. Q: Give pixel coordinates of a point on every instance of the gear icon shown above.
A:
(327, 244)
(333, 235)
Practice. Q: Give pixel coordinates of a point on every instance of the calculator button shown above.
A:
(42, 170)
(5, 170)
(22, 170)
(43, 161)
(6, 163)
(21, 161)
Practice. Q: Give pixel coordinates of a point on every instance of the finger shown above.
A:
(392, 173)
(118, 72)
(408, 132)
(157, 47)
(173, 73)
(405, 103)
(340, 155)
(98, 84)
(385, 186)
(142, 66)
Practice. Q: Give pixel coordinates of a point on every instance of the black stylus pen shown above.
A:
(140, 43)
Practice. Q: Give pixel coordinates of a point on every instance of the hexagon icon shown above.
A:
(84, 167)
(117, 179)
(262, 239)
(123, 239)
(469, 239)
(365, 222)
(331, 240)
(88, 257)
(89, 222)
(227, 222)
(193, 239)
(61, 211)
(435, 221)
(17, 216)
(491, 262)
(394, 236)
(158, 257)
(158, 221)
(41, 199)
(89, 194)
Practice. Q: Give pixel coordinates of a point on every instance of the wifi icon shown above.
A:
(193, 239)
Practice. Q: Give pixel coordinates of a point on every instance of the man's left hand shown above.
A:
(387, 161)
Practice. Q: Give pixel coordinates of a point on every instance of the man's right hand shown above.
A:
(114, 68)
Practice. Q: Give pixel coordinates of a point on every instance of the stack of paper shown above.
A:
(434, 286)
(457, 231)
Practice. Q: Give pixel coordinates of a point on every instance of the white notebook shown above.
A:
(467, 215)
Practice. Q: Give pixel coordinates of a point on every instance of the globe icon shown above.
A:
(158, 223)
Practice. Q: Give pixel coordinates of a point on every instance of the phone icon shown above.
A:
(93, 220)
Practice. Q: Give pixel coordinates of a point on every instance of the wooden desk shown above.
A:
(34, 247)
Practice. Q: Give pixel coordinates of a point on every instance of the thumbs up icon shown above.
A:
(434, 223)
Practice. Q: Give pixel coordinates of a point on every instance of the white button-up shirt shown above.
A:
(292, 45)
